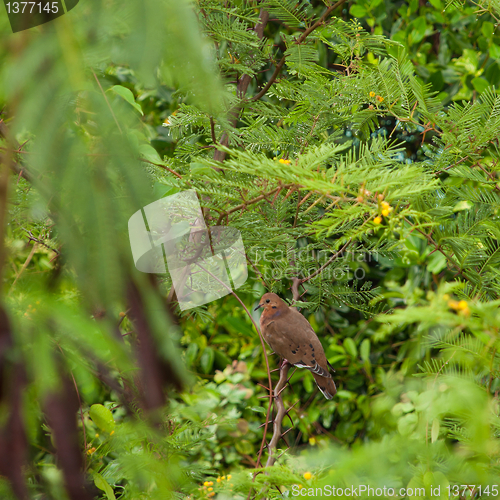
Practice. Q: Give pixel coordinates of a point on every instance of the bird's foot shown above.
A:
(285, 362)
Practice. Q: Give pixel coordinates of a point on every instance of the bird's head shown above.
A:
(271, 301)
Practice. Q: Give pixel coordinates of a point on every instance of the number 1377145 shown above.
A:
(31, 7)
(462, 489)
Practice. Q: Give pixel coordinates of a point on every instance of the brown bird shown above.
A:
(291, 336)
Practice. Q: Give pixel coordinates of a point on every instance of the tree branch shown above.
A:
(327, 263)
(250, 202)
(280, 414)
(241, 88)
(302, 37)
(265, 357)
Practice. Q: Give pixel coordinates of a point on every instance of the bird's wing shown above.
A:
(299, 344)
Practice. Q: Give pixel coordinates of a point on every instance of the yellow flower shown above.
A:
(111, 433)
(211, 494)
(385, 204)
(223, 477)
(312, 441)
(380, 98)
(229, 476)
(462, 305)
(385, 212)
(205, 483)
(218, 479)
(97, 435)
(307, 476)
(453, 304)
(285, 162)
(92, 450)
(377, 220)
(446, 296)
(372, 94)
(210, 489)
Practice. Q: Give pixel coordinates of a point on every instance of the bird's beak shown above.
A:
(258, 307)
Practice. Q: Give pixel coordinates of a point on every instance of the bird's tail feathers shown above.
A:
(326, 385)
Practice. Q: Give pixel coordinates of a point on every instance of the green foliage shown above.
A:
(368, 169)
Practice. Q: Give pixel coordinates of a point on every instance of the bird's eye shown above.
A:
(267, 301)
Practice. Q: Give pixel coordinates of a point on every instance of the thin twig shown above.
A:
(161, 166)
(250, 202)
(327, 263)
(107, 102)
(25, 265)
(212, 130)
(302, 37)
(280, 414)
(265, 356)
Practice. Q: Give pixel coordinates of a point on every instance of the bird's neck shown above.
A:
(271, 314)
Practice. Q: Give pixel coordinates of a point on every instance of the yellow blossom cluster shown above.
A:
(283, 161)
(208, 485)
(385, 209)
(460, 306)
(378, 97)
(31, 309)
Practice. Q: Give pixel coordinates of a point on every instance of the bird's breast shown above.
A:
(269, 315)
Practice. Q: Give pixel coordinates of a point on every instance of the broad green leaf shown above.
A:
(407, 424)
(364, 350)
(462, 205)
(308, 382)
(436, 262)
(480, 84)
(149, 153)
(350, 347)
(435, 430)
(487, 29)
(126, 94)
(103, 485)
(257, 409)
(495, 51)
(102, 417)
(207, 360)
(191, 353)
(438, 4)
(357, 11)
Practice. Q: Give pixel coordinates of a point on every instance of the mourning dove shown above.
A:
(291, 336)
